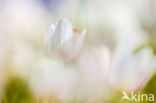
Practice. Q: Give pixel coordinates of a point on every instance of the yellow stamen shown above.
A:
(76, 31)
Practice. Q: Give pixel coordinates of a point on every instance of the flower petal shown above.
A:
(62, 33)
(49, 34)
(79, 41)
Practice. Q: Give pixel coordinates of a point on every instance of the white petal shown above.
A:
(79, 41)
(131, 71)
(68, 47)
(66, 30)
(49, 33)
(57, 35)
(62, 33)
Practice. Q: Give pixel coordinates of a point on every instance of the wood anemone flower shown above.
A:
(64, 41)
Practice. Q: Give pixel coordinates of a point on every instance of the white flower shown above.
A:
(23, 58)
(129, 70)
(92, 67)
(51, 78)
(63, 40)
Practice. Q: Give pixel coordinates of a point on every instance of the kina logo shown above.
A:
(137, 96)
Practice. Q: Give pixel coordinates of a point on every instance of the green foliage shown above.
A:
(150, 88)
(140, 48)
(17, 91)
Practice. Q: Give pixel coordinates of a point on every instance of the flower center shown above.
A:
(76, 31)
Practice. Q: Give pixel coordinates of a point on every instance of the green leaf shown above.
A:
(17, 91)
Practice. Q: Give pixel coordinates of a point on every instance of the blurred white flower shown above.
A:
(24, 18)
(85, 80)
(64, 40)
(4, 49)
(51, 78)
(92, 67)
(24, 57)
(129, 70)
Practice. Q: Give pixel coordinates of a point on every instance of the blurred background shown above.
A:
(118, 52)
